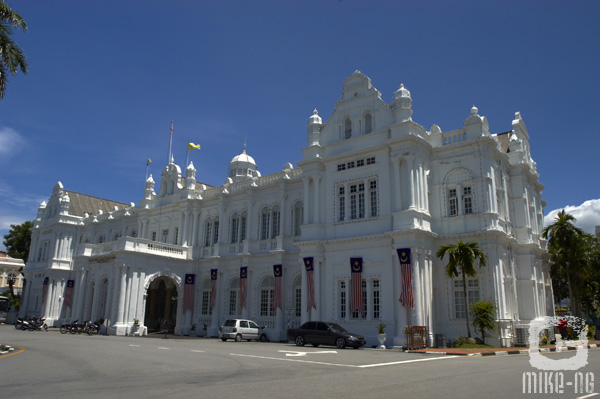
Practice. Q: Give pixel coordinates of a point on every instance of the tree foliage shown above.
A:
(484, 317)
(462, 257)
(18, 240)
(575, 264)
(12, 58)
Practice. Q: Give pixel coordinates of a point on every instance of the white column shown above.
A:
(397, 197)
(121, 297)
(411, 185)
(195, 217)
(306, 201)
(316, 206)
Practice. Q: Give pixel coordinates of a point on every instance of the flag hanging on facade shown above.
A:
(406, 293)
(188, 293)
(213, 288)
(192, 146)
(310, 284)
(69, 293)
(357, 293)
(243, 285)
(45, 290)
(277, 303)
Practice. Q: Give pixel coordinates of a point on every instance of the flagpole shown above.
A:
(187, 157)
(170, 144)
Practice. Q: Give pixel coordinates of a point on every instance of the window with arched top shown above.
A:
(368, 123)
(235, 225)
(235, 308)
(298, 218)
(347, 128)
(275, 222)
(208, 228)
(206, 288)
(264, 223)
(216, 231)
(267, 294)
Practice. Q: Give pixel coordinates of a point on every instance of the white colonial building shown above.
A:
(371, 181)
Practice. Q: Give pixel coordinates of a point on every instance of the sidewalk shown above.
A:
(496, 351)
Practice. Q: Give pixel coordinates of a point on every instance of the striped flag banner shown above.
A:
(310, 284)
(45, 290)
(213, 288)
(356, 303)
(188, 293)
(277, 303)
(406, 295)
(69, 293)
(243, 285)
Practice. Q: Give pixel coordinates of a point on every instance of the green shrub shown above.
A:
(591, 334)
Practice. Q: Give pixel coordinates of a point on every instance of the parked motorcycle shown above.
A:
(32, 324)
(94, 327)
(68, 327)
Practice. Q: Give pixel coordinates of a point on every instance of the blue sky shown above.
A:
(106, 79)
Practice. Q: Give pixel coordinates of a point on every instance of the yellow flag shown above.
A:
(192, 146)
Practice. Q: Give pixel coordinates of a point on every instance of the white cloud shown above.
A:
(587, 215)
(11, 142)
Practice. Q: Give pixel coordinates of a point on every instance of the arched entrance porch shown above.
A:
(161, 305)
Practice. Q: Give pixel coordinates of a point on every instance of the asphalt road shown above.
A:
(52, 365)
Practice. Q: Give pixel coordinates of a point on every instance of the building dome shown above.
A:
(243, 157)
(242, 167)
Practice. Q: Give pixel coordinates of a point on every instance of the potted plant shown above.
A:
(135, 327)
(204, 329)
(193, 330)
(381, 336)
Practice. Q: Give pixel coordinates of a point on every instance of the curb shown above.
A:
(503, 353)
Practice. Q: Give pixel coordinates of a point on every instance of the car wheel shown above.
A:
(223, 339)
(238, 338)
(340, 343)
(315, 345)
(300, 340)
(263, 338)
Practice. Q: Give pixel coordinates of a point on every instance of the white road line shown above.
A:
(160, 347)
(406, 361)
(193, 350)
(137, 346)
(293, 360)
(345, 365)
(588, 396)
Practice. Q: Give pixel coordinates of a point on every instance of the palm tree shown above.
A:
(565, 247)
(12, 58)
(462, 255)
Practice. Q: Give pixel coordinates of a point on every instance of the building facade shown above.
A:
(316, 241)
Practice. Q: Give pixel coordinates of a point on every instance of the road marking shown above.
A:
(160, 347)
(137, 346)
(21, 350)
(193, 350)
(296, 353)
(406, 361)
(588, 396)
(293, 360)
(345, 365)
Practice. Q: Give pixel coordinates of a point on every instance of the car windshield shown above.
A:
(229, 323)
(337, 327)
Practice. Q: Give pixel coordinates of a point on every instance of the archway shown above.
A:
(161, 305)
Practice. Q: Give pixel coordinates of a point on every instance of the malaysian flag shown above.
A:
(243, 285)
(357, 293)
(406, 295)
(277, 271)
(45, 290)
(188, 293)
(69, 293)
(310, 284)
(213, 288)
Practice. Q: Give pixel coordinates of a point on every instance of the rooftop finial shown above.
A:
(245, 138)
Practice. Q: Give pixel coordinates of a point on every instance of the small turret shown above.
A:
(314, 128)
(402, 104)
